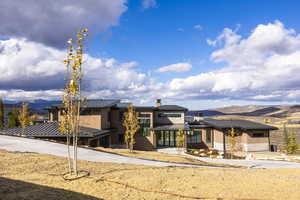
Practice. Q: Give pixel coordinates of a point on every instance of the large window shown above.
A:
(166, 138)
(170, 115)
(145, 123)
(144, 115)
(208, 136)
(194, 137)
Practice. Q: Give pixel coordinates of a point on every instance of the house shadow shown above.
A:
(18, 190)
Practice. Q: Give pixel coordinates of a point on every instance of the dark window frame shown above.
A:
(195, 137)
(208, 136)
(258, 135)
(170, 115)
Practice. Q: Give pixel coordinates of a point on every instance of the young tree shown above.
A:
(292, 144)
(72, 97)
(24, 116)
(13, 118)
(1, 114)
(131, 125)
(180, 139)
(232, 142)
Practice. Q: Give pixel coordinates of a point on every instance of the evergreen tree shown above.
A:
(13, 118)
(292, 144)
(1, 114)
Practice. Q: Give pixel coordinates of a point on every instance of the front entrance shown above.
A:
(166, 138)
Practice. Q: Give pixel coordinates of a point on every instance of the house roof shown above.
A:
(160, 108)
(92, 103)
(236, 123)
(199, 124)
(171, 127)
(125, 105)
(51, 129)
(171, 108)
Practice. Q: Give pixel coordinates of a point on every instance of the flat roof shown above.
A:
(237, 123)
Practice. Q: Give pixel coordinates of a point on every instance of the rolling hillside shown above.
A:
(276, 111)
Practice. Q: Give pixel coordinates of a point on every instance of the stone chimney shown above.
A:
(158, 102)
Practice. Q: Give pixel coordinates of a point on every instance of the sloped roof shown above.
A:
(92, 103)
(125, 105)
(237, 123)
(51, 129)
(171, 108)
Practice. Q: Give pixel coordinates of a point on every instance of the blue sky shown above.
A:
(139, 50)
(152, 36)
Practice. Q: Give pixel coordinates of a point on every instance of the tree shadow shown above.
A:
(19, 190)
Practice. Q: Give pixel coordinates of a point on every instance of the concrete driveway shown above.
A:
(19, 144)
(11, 143)
(251, 163)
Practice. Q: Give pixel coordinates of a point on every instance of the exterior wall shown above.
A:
(94, 118)
(142, 142)
(168, 120)
(92, 121)
(218, 140)
(105, 118)
(146, 143)
(245, 141)
(277, 136)
(256, 143)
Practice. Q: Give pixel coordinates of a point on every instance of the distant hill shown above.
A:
(36, 106)
(204, 113)
(279, 111)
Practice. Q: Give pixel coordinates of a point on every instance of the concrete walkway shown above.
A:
(20, 144)
(250, 163)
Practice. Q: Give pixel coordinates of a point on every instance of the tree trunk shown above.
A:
(69, 153)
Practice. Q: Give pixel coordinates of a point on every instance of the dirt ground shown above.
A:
(158, 156)
(34, 176)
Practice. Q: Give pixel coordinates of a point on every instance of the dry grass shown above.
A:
(157, 156)
(34, 176)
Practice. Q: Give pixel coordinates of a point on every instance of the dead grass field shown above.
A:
(158, 156)
(34, 176)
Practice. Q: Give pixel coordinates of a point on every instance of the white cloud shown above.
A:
(198, 27)
(23, 95)
(178, 67)
(180, 29)
(149, 4)
(27, 68)
(211, 42)
(53, 22)
(263, 66)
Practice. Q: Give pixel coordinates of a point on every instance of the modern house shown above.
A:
(250, 136)
(101, 125)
